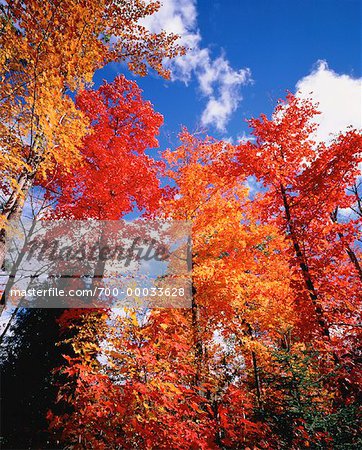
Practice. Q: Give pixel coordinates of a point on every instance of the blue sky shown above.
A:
(246, 54)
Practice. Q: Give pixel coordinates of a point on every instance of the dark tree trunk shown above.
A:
(28, 356)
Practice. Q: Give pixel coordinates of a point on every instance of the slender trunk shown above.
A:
(12, 208)
(351, 254)
(9, 323)
(257, 379)
(11, 212)
(197, 339)
(353, 258)
(218, 432)
(324, 326)
(323, 323)
(255, 369)
(195, 319)
(12, 276)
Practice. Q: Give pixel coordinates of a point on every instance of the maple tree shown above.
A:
(307, 183)
(242, 298)
(115, 174)
(49, 49)
(144, 375)
(123, 125)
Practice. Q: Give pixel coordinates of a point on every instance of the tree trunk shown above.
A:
(195, 319)
(13, 207)
(323, 324)
(257, 379)
(351, 254)
(12, 276)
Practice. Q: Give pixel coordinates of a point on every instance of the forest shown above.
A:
(267, 355)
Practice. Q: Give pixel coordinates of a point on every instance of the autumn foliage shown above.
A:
(104, 185)
(48, 50)
(268, 354)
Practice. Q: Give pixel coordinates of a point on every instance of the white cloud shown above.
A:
(221, 84)
(218, 82)
(339, 98)
(242, 138)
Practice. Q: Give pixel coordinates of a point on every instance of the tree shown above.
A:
(123, 125)
(242, 298)
(116, 174)
(306, 183)
(124, 377)
(48, 50)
